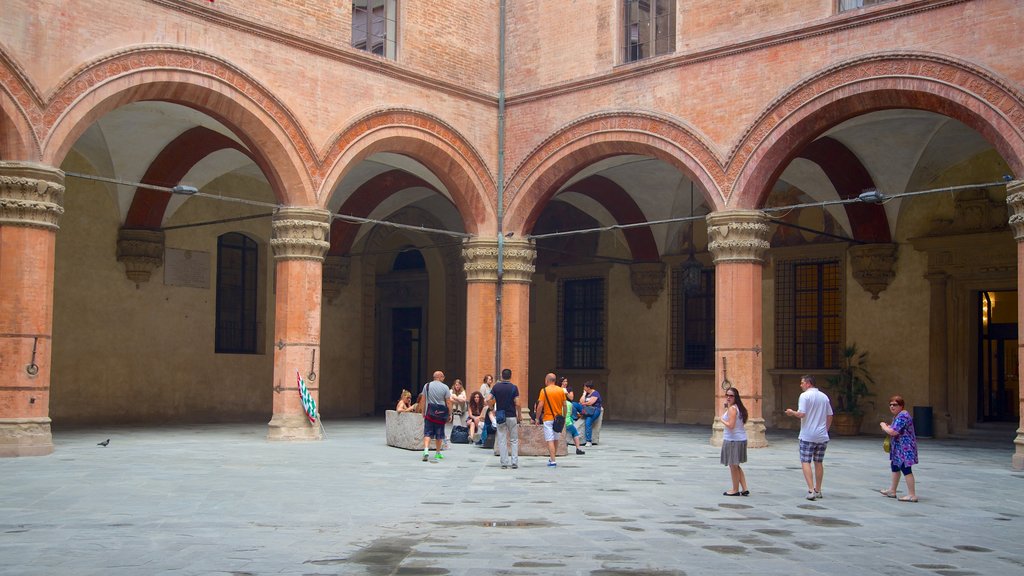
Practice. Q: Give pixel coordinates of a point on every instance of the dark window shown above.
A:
(693, 319)
(374, 26)
(845, 5)
(809, 314)
(650, 28)
(409, 259)
(582, 324)
(237, 271)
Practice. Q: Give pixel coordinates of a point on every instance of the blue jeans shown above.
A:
(589, 423)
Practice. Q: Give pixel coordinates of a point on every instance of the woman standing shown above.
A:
(734, 441)
(902, 450)
(458, 403)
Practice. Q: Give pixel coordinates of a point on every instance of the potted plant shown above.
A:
(849, 388)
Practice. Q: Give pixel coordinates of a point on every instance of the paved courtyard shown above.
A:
(222, 500)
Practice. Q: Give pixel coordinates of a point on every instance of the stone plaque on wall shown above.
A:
(189, 268)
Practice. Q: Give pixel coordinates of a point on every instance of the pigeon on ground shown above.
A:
(104, 443)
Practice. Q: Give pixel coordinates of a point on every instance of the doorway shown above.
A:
(998, 378)
(406, 350)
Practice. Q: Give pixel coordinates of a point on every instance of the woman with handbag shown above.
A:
(734, 442)
(592, 404)
(902, 449)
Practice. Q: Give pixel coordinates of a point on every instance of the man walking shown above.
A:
(505, 404)
(550, 405)
(435, 405)
(815, 413)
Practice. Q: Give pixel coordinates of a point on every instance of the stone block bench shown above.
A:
(531, 441)
(595, 433)
(404, 430)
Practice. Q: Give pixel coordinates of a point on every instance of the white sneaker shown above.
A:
(589, 444)
(810, 495)
(818, 496)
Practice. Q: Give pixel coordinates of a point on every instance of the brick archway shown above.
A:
(600, 136)
(928, 82)
(192, 79)
(20, 108)
(428, 140)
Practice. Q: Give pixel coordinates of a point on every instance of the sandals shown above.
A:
(887, 493)
(908, 499)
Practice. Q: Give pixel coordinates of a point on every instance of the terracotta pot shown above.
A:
(845, 424)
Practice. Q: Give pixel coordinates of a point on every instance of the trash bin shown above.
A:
(923, 421)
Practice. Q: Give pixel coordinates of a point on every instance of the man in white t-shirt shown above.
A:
(815, 413)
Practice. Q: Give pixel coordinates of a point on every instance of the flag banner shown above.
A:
(308, 404)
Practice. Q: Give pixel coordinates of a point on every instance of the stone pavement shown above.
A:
(220, 499)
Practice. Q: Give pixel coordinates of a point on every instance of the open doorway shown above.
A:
(998, 378)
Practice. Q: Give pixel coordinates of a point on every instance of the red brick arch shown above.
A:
(956, 89)
(189, 78)
(600, 136)
(431, 142)
(20, 108)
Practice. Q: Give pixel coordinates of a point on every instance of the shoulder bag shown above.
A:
(559, 422)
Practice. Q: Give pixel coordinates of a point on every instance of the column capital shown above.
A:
(31, 195)
(480, 260)
(1015, 201)
(300, 233)
(738, 236)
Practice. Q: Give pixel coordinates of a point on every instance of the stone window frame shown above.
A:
(250, 320)
(680, 325)
(633, 25)
(601, 357)
(784, 329)
(848, 5)
(362, 19)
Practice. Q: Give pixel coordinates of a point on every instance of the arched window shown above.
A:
(237, 274)
(409, 259)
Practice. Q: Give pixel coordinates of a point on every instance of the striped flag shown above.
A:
(308, 404)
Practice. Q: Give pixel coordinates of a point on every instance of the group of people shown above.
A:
(815, 413)
(497, 407)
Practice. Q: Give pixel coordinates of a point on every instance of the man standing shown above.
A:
(815, 413)
(505, 404)
(550, 404)
(435, 405)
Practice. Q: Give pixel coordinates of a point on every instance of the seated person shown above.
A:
(475, 414)
(405, 403)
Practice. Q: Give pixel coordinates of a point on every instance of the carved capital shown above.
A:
(301, 234)
(141, 252)
(738, 236)
(480, 260)
(873, 266)
(336, 276)
(1015, 202)
(647, 280)
(31, 195)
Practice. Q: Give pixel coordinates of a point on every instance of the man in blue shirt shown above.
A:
(505, 403)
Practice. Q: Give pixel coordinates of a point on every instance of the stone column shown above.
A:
(31, 198)
(938, 353)
(1015, 200)
(480, 256)
(300, 242)
(738, 240)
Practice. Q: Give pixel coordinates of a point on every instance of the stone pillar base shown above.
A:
(25, 437)
(292, 427)
(1018, 457)
(532, 443)
(756, 437)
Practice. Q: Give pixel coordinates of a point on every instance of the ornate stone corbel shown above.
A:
(738, 236)
(873, 266)
(300, 233)
(141, 252)
(647, 280)
(336, 276)
(1015, 202)
(30, 195)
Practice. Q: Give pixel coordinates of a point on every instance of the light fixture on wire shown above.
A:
(692, 268)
